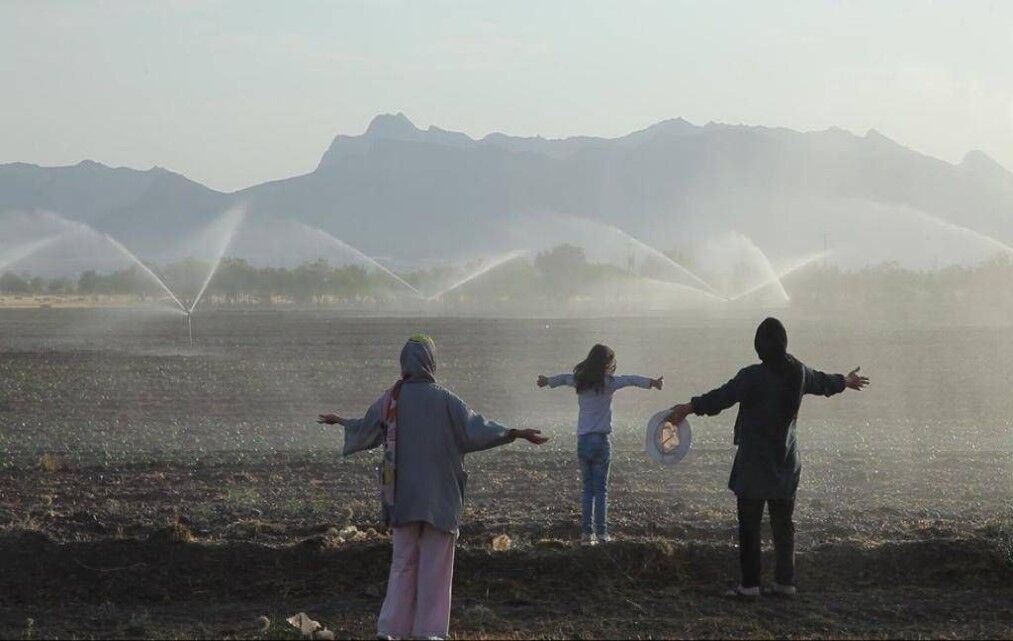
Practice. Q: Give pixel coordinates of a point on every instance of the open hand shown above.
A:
(542, 381)
(856, 381)
(658, 383)
(330, 419)
(531, 436)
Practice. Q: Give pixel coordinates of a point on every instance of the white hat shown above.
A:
(664, 444)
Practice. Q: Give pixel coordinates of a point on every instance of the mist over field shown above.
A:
(675, 216)
(166, 348)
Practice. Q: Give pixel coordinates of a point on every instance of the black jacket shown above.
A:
(767, 464)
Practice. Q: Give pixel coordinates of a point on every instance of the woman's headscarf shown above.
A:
(418, 362)
(418, 358)
(771, 345)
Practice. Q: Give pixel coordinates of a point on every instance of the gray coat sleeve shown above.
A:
(471, 430)
(367, 432)
(820, 384)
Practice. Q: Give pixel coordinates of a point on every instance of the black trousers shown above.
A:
(783, 528)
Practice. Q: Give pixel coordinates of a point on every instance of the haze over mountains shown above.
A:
(413, 195)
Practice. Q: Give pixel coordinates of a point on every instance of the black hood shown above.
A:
(771, 345)
(771, 340)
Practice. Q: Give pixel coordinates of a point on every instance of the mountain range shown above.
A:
(424, 194)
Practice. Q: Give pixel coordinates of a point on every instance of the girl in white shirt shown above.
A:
(595, 381)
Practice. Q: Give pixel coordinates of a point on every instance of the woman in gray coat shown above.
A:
(426, 430)
(767, 468)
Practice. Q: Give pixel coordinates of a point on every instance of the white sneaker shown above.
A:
(588, 540)
(739, 592)
(605, 538)
(783, 590)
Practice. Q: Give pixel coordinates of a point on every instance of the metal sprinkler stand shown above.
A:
(189, 326)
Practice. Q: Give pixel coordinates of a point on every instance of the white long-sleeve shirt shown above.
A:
(595, 408)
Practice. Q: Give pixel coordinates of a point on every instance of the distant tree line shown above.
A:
(554, 276)
(972, 290)
(235, 282)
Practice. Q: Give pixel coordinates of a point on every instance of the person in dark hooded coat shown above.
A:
(767, 468)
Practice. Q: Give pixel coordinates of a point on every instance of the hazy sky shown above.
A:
(232, 93)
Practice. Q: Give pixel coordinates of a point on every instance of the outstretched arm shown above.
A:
(556, 381)
(332, 419)
(713, 402)
(644, 382)
(475, 433)
(820, 384)
(360, 433)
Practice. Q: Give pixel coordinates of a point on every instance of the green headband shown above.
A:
(422, 338)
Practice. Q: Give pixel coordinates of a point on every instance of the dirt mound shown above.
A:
(175, 533)
(626, 588)
(169, 567)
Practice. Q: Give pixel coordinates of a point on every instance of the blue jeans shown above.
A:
(595, 453)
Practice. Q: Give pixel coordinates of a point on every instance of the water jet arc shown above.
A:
(946, 224)
(496, 262)
(75, 226)
(773, 277)
(657, 253)
(25, 251)
(688, 288)
(340, 243)
(132, 256)
(237, 218)
(805, 262)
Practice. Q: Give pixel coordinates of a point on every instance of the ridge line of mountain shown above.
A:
(398, 128)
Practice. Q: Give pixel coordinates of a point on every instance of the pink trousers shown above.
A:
(418, 591)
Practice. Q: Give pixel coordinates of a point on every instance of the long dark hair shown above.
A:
(771, 345)
(590, 373)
